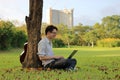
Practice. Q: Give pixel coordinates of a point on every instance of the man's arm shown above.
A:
(50, 57)
(42, 54)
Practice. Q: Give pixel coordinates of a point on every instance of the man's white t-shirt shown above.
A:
(45, 49)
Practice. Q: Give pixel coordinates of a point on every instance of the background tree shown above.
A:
(79, 32)
(22, 28)
(6, 34)
(19, 38)
(64, 34)
(111, 25)
(34, 33)
(58, 43)
(91, 38)
(99, 30)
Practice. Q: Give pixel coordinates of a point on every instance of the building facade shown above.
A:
(61, 17)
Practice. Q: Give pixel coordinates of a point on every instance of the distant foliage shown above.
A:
(85, 35)
(104, 34)
(57, 43)
(10, 36)
(19, 39)
(6, 34)
(109, 42)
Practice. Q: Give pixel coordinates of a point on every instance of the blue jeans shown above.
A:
(62, 64)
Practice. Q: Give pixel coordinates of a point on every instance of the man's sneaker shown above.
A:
(71, 69)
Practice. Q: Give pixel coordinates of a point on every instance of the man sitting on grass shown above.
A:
(45, 53)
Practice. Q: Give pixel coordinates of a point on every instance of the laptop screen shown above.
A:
(72, 54)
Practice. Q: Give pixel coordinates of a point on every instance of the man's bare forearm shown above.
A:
(46, 57)
(49, 57)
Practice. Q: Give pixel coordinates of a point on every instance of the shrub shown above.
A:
(10, 36)
(19, 39)
(6, 34)
(57, 43)
(109, 42)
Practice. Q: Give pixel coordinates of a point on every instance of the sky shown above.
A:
(87, 12)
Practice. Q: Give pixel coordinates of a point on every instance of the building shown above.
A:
(61, 17)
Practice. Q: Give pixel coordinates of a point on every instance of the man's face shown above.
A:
(52, 34)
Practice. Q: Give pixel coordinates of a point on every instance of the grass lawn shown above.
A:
(92, 63)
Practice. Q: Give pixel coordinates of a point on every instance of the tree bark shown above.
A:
(33, 23)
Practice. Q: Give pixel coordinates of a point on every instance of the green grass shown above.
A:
(93, 64)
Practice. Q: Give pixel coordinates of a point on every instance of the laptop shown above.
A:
(72, 54)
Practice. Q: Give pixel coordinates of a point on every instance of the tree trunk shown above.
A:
(33, 23)
(92, 44)
(68, 45)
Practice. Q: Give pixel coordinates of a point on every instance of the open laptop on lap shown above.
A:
(71, 55)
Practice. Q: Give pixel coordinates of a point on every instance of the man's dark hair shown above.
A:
(50, 28)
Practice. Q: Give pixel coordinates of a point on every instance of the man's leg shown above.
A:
(72, 64)
(62, 64)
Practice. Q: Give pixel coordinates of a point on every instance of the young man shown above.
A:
(45, 53)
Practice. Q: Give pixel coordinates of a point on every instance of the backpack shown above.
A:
(23, 54)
